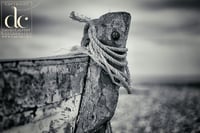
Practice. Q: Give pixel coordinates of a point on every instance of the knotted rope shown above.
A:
(103, 54)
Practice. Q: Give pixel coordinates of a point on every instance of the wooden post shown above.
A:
(100, 96)
(99, 101)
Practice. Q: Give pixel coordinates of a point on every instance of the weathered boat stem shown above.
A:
(65, 94)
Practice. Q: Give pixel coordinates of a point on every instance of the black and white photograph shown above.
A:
(99, 66)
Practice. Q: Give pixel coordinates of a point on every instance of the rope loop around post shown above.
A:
(103, 54)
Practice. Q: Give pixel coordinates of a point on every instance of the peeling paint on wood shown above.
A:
(52, 119)
(41, 94)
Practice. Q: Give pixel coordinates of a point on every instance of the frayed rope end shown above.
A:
(78, 17)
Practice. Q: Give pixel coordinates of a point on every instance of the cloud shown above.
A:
(169, 26)
(184, 4)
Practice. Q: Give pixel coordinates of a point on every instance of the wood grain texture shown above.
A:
(99, 100)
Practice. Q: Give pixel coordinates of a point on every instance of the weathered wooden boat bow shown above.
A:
(74, 93)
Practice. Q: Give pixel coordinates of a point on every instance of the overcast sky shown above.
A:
(163, 40)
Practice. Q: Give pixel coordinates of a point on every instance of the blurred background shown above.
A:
(163, 41)
(164, 54)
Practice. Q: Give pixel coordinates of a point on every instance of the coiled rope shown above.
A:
(103, 54)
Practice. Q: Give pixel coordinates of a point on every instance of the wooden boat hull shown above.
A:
(40, 95)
